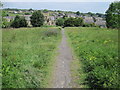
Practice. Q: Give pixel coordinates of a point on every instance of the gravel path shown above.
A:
(62, 74)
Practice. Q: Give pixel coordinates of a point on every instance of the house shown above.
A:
(101, 23)
(27, 18)
(9, 18)
(15, 12)
(71, 15)
(49, 19)
(88, 20)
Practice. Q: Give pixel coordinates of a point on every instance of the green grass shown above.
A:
(97, 51)
(27, 56)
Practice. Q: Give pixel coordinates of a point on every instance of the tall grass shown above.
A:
(27, 54)
(97, 50)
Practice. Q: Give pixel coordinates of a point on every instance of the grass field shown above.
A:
(97, 51)
(27, 58)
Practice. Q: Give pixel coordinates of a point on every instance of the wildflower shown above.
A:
(106, 41)
(92, 58)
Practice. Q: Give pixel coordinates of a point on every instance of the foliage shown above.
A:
(19, 22)
(4, 13)
(60, 22)
(37, 19)
(91, 14)
(45, 10)
(77, 13)
(89, 25)
(30, 9)
(27, 56)
(97, 50)
(27, 13)
(71, 22)
(5, 23)
(100, 15)
(78, 22)
(113, 15)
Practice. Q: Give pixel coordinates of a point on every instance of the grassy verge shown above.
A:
(97, 51)
(28, 56)
(76, 68)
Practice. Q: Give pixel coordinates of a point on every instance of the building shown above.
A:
(9, 18)
(27, 18)
(100, 22)
(88, 20)
(71, 15)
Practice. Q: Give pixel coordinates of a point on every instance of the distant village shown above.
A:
(51, 16)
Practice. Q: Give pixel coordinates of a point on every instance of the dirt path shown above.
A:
(62, 74)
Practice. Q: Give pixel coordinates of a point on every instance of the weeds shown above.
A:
(97, 49)
(27, 53)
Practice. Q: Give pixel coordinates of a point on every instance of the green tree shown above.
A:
(78, 13)
(19, 22)
(5, 23)
(37, 19)
(113, 15)
(45, 11)
(78, 22)
(69, 22)
(60, 22)
(4, 13)
(23, 22)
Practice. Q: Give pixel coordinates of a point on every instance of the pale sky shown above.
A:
(58, 0)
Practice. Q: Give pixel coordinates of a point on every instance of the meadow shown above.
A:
(97, 52)
(28, 56)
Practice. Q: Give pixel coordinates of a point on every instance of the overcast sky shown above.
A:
(58, 0)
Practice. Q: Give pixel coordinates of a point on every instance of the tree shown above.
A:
(91, 14)
(37, 19)
(5, 23)
(23, 22)
(78, 13)
(60, 22)
(113, 15)
(71, 22)
(45, 11)
(4, 13)
(30, 9)
(19, 22)
(78, 22)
